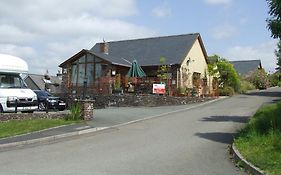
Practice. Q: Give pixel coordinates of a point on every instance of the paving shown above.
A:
(103, 118)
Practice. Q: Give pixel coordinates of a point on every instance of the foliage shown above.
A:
(229, 76)
(259, 79)
(278, 56)
(162, 71)
(274, 79)
(274, 22)
(260, 141)
(246, 86)
(17, 127)
(212, 65)
(181, 90)
(75, 112)
(267, 119)
(226, 91)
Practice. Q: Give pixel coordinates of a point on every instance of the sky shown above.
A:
(46, 33)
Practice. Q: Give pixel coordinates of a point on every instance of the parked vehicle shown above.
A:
(14, 94)
(48, 101)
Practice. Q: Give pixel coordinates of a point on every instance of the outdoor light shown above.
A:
(113, 72)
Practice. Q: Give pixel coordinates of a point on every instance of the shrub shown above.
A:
(259, 78)
(274, 79)
(75, 112)
(229, 76)
(279, 84)
(246, 86)
(226, 91)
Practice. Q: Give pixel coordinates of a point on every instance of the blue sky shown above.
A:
(47, 33)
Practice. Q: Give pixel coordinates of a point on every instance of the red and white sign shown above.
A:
(159, 89)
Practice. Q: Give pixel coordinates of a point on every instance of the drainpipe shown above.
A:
(177, 78)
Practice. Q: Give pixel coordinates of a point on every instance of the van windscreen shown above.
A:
(11, 81)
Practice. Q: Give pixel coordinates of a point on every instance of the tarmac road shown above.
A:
(193, 141)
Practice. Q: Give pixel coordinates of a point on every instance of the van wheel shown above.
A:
(1, 109)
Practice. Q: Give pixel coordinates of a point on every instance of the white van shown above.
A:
(14, 94)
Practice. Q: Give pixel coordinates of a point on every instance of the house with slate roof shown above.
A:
(43, 82)
(246, 67)
(97, 68)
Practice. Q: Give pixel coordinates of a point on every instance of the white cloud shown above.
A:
(48, 32)
(218, 2)
(263, 51)
(13, 34)
(224, 31)
(162, 11)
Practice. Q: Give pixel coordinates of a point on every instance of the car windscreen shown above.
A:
(42, 94)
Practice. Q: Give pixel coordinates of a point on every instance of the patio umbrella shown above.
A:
(136, 70)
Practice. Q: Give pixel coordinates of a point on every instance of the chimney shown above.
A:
(104, 48)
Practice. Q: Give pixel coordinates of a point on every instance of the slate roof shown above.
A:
(246, 66)
(39, 82)
(148, 51)
(105, 57)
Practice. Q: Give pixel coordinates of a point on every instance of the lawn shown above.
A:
(260, 141)
(17, 127)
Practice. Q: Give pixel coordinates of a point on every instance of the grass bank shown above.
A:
(260, 141)
(17, 127)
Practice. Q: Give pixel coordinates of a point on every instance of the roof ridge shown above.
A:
(245, 60)
(155, 37)
(40, 74)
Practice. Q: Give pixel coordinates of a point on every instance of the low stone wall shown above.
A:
(103, 101)
(25, 116)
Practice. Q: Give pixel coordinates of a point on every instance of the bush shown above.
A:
(246, 86)
(274, 79)
(226, 91)
(229, 76)
(279, 84)
(75, 112)
(259, 78)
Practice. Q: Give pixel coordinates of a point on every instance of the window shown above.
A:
(11, 81)
(81, 74)
(82, 59)
(86, 67)
(90, 73)
(74, 74)
(98, 70)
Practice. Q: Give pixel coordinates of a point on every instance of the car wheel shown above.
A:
(42, 106)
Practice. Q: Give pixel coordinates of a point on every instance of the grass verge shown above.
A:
(17, 127)
(260, 141)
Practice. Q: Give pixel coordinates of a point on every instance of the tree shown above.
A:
(278, 56)
(259, 78)
(274, 22)
(229, 76)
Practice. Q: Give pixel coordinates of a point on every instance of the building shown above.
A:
(97, 68)
(44, 82)
(246, 67)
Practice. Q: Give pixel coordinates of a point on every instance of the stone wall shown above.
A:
(26, 116)
(103, 101)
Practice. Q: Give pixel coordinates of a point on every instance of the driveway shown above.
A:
(192, 141)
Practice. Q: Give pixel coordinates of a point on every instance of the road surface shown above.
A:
(193, 141)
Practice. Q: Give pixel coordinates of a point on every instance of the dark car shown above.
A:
(48, 101)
